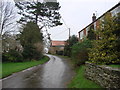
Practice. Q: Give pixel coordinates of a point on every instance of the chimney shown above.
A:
(93, 17)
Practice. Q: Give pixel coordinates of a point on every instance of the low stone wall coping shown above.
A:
(106, 76)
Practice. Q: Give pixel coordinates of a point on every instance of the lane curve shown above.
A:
(56, 73)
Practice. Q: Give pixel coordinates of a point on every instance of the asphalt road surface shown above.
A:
(56, 73)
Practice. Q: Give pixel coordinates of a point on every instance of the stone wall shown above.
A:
(105, 76)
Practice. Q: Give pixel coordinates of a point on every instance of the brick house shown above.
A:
(57, 46)
(96, 22)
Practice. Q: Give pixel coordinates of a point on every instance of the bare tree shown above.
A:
(7, 17)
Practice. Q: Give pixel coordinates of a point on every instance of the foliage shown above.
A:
(67, 50)
(117, 32)
(9, 67)
(70, 42)
(39, 46)
(32, 41)
(30, 35)
(30, 52)
(45, 13)
(106, 48)
(12, 56)
(9, 42)
(73, 40)
(80, 51)
(91, 34)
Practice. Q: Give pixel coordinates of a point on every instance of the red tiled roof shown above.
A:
(58, 43)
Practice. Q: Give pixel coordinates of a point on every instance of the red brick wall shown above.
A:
(84, 32)
(97, 24)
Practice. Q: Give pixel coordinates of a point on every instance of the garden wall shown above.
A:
(105, 76)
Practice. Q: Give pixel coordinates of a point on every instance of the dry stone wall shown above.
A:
(105, 76)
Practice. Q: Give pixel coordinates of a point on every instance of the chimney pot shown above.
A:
(93, 17)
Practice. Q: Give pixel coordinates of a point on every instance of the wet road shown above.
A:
(56, 73)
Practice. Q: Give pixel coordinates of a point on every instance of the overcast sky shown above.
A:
(77, 14)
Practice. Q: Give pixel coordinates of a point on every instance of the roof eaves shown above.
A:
(101, 16)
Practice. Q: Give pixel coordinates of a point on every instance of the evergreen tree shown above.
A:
(73, 40)
(44, 13)
(91, 34)
(70, 42)
(104, 50)
(29, 37)
(117, 31)
(30, 34)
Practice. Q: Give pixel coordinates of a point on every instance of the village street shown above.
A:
(59, 44)
(56, 73)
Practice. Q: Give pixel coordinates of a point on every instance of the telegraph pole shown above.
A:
(69, 33)
(69, 36)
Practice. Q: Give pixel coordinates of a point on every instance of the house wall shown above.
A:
(87, 29)
(84, 32)
(97, 24)
(115, 11)
(81, 35)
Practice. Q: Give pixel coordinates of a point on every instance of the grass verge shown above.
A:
(115, 66)
(10, 67)
(79, 81)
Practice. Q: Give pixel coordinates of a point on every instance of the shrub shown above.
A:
(69, 43)
(67, 50)
(31, 40)
(4, 57)
(30, 52)
(39, 50)
(106, 49)
(12, 56)
(80, 52)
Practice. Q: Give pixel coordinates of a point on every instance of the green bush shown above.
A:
(4, 57)
(80, 52)
(30, 53)
(12, 56)
(68, 47)
(31, 40)
(106, 50)
(67, 50)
